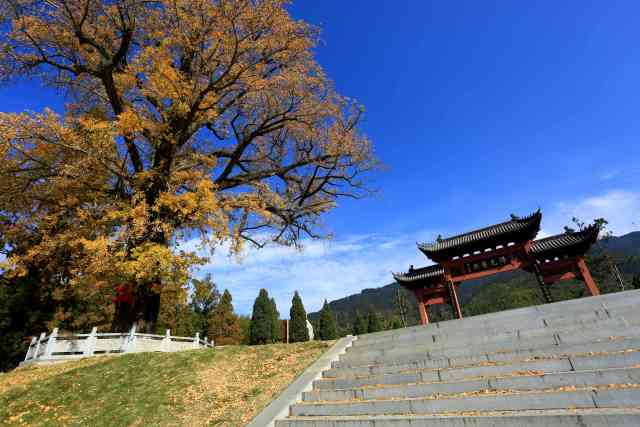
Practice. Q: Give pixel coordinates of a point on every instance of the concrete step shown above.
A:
(443, 340)
(518, 383)
(572, 363)
(629, 313)
(339, 369)
(629, 417)
(405, 354)
(553, 365)
(580, 399)
(535, 321)
(559, 310)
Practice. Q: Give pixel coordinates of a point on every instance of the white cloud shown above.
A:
(620, 207)
(323, 269)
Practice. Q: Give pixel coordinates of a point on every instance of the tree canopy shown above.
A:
(373, 323)
(298, 331)
(224, 324)
(263, 319)
(359, 324)
(276, 327)
(184, 116)
(205, 297)
(327, 329)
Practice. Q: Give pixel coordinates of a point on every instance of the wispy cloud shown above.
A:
(611, 174)
(619, 174)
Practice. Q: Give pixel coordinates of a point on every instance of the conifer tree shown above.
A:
(374, 324)
(359, 325)
(224, 325)
(262, 320)
(276, 334)
(298, 331)
(327, 325)
(635, 283)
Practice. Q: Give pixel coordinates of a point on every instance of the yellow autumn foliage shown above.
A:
(207, 117)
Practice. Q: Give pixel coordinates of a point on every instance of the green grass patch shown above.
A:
(225, 386)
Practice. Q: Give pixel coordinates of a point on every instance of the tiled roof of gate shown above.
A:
(572, 243)
(577, 241)
(425, 273)
(527, 225)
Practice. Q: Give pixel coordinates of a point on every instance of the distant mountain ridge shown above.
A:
(509, 290)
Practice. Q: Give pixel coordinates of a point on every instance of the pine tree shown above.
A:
(359, 325)
(224, 325)
(262, 320)
(374, 324)
(635, 283)
(327, 325)
(276, 330)
(298, 331)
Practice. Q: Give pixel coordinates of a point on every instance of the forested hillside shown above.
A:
(495, 293)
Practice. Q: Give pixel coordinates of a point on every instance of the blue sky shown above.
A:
(478, 110)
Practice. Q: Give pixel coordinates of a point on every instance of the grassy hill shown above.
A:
(494, 293)
(225, 386)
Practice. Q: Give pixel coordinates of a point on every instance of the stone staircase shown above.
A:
(572, 363)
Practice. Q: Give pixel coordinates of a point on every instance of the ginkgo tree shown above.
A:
(184, 117)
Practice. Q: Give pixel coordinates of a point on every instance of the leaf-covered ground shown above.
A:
(220, 387)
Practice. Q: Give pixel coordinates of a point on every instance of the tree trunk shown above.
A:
(140, 308)
(141, 305)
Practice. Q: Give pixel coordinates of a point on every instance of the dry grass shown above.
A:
(22, 377)
(232, 391)
(220, 387)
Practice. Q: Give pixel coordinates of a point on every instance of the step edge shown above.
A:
(279, 407)
(474, 379)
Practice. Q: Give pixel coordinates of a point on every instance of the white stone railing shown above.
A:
(55, 347)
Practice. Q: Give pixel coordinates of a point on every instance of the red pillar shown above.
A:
(586, 277)
(422, 308)
(454, 299)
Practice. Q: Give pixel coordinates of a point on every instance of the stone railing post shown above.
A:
(196, 340)
(130, 346)
(90, 342)
(166, 341)
(40, 338)
(51, 343)
(32, 347)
